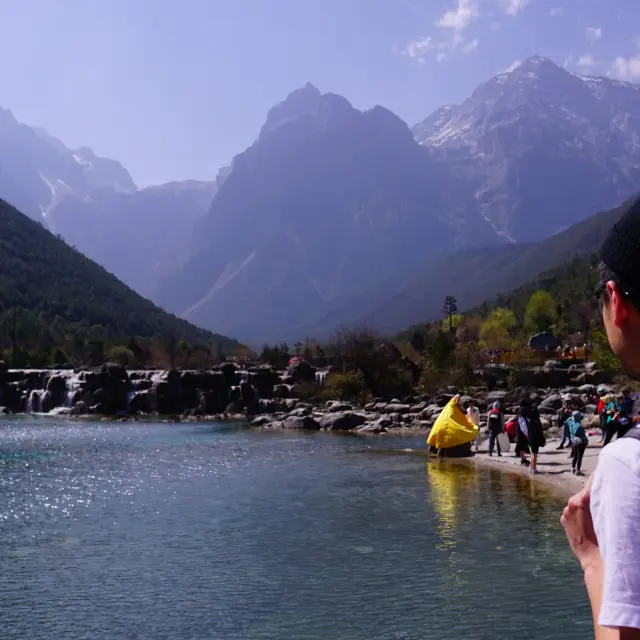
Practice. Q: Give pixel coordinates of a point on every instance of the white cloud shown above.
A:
(512, 67)
(626, 68)
(471, 46)
(554, 12)
(457, 20)
(514, 7)
(568, 62)
(440, 57)
(495, 26)
(586, 62)
(418, 48)
(636, 41)
(593, 34)
(461, 17)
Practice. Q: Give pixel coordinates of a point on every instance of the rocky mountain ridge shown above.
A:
(541, 148)
(326, 200)
(95, 205)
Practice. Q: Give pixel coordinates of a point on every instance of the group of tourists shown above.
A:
(616, 414)
(525, 430)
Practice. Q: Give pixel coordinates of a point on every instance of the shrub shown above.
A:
(345, 386)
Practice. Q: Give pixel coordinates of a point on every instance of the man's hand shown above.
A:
(578, 525)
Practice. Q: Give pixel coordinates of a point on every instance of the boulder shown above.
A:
(301, 371)
(230, 372)
(371, 427)
(334, 406)
(79, 409)
(211, 402)
(306, 423)
(264, 379)
(301, 412)
(60, 411)
(396, 408)
(345, 421)
(282, 391)
(588, 389)
(552, 402)
(250, 398)
(383, 423)
(143, 402)
(57, 384)
(271, 406)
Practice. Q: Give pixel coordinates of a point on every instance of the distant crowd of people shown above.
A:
(616, 414)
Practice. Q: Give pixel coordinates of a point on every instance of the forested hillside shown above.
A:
(63, 301)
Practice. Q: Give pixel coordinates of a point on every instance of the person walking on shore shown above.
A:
(496, 427)
(602, 522)
(579, 441)
(536, 437)
(522, 437)
(564, 413)
(473, 413)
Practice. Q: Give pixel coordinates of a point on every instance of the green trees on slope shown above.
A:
(67, 309)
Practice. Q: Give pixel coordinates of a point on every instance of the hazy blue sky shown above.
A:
(175, 88)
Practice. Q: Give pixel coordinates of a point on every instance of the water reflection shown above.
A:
(449, 484)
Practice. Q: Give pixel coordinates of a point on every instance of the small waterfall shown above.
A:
(73, 383)
(244, 375)
(321, 378)
(34, 402)
(130, 395)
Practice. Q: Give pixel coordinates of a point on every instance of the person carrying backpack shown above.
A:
(495, 422)
(562, 415)
(579, 441)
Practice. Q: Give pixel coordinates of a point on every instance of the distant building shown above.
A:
(545, 341)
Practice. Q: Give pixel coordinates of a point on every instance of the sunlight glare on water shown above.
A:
(150, 531)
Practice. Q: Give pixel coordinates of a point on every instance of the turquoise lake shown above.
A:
(191, 532)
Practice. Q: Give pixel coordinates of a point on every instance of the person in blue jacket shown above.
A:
(579, 441)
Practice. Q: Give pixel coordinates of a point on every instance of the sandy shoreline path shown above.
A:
(554, 466)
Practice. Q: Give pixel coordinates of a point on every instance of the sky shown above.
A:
(174, 89)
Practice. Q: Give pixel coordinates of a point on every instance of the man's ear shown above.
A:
(619, 306)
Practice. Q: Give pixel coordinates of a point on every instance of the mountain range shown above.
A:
(335, 216)
(95, 205)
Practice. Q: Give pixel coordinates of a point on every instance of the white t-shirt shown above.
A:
(615, 509)
(473, 413)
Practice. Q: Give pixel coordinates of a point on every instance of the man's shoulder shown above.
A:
(624, 450)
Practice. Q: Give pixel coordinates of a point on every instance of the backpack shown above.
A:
(495, 424)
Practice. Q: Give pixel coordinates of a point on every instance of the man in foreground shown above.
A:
(602, 521)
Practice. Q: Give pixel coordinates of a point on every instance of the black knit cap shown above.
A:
(621, 250)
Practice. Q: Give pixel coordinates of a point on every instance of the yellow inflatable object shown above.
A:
(452, 428)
